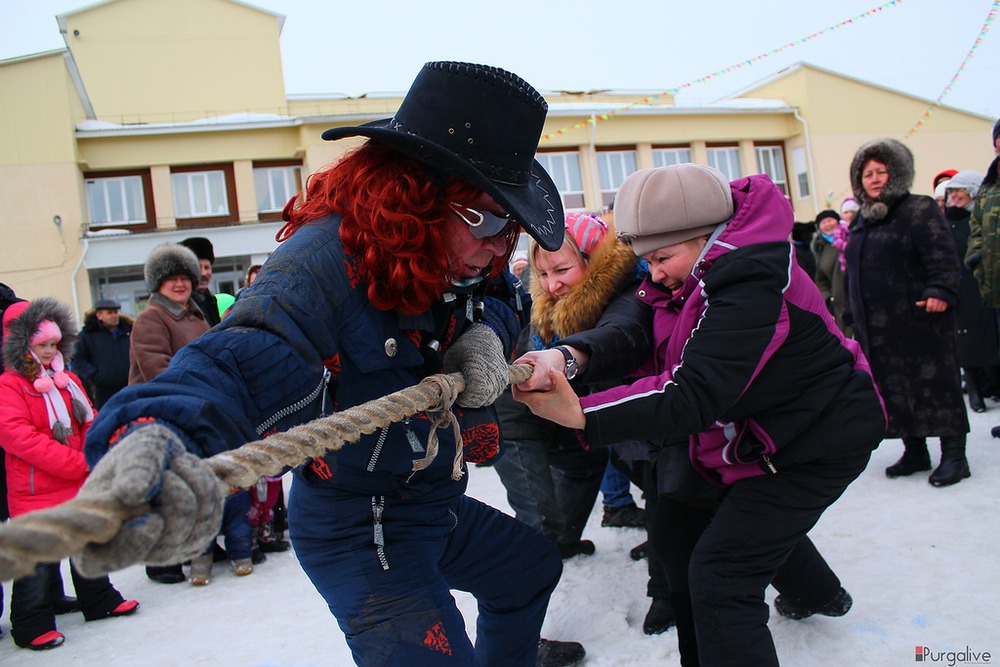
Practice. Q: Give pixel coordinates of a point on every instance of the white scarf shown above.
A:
(48, 383)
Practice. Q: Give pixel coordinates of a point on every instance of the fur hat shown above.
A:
(828, 213)
(898, 159)
(480, 124)
(662, 206)
(202, 248)
(170, 259)
(967, 180)
(587, 230)
(22, 320)
(996, 131)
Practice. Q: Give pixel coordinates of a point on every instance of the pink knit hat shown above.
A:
(47, 330)
(586, 229)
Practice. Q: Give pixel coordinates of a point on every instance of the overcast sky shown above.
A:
(352, 47)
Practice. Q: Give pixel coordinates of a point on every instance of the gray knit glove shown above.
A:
(151, 465)
(478, 356)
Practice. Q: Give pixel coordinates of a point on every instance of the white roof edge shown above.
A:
(184, 128)
(31, 56)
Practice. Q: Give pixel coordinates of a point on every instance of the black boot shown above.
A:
(915, 458)
(976, 403)
(640, 551)
(268, 541)
(166, 574)
(659, 618)
(570, 549)
(838, 606)
(954, 467)
(558, 654)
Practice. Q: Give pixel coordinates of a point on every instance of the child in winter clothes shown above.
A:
(44, 417)
(778, 405)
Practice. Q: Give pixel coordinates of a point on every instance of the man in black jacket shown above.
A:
(101, 357)
(202, 296)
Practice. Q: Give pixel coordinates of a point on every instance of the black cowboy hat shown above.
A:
(480, 124)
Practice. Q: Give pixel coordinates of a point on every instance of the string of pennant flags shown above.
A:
(990, 17)
(725, 70)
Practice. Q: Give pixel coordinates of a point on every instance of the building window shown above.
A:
(119, 199)
(771, 161)
(204, 194)
(275, 185)
(564, 169)
(727, 160)
(613, 167)
(801, 172)
(664, 157)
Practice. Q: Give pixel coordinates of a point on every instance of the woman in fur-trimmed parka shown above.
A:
(44, 417)
(903, 274)
(551, 481)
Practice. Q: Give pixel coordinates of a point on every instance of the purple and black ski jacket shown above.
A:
(747, 360)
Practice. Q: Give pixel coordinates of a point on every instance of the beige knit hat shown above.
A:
(663, 206)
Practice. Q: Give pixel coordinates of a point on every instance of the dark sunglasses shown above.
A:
(483, 224)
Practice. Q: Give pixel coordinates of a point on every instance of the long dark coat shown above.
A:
(978, 344)
(892, 263)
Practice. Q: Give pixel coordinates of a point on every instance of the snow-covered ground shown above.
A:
(919, 561)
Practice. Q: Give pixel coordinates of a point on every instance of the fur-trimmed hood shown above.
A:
(898, 158)
(611, 266)
(19, 329)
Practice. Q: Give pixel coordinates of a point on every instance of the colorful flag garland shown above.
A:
(732, 68)
(990, 17)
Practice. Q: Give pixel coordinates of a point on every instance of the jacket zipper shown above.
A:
(767, 465)
(298, 405)
(378, 506)
(378, 448)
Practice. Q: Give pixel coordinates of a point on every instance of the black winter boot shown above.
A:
(976, 403)
(954, 467)
(915, 458)
(659, 618)
(838, 606)
(559, 654)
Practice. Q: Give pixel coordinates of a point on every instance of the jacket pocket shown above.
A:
(373, 345)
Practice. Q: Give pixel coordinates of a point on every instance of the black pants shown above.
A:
(724, 558)
(31, 611)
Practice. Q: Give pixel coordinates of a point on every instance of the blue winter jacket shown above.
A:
(304, 341)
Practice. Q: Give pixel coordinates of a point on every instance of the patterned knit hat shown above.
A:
(587, 230)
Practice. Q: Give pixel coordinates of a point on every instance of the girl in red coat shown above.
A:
(44, 416)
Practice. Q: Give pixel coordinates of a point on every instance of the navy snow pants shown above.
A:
(393, 600)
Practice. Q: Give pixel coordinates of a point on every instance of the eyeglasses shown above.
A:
(483, 224)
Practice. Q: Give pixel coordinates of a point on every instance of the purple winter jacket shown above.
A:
(748, 361)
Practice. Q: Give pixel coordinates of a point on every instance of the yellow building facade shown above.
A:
(164, 119)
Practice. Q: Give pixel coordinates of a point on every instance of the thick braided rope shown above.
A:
(49, 535)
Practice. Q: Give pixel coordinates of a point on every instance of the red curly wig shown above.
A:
(394, 212)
